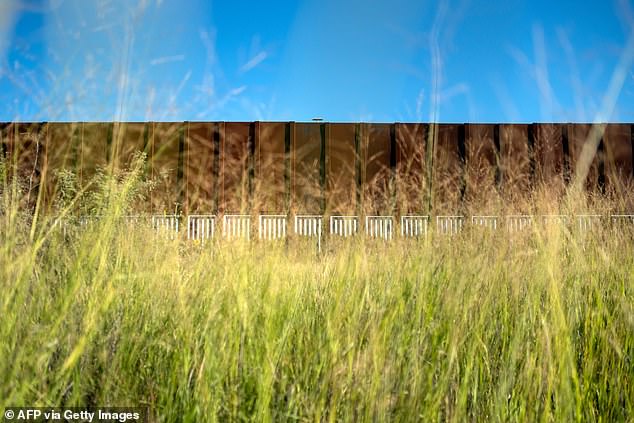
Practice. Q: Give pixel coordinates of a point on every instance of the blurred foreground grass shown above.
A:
(536, 328)
(482, 326)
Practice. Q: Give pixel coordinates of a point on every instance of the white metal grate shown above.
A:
(61, 224)
(518, 223)
(86, 222)
(344, 226)
(272, 226)
(622, 221)
(488, 222)
(414, 226)
(379, 227)
(449, 225)
(201, 227)
(166, 225)
(236, 226)
(589, 222)
(134, 221)
(308, 225)
(554, 219)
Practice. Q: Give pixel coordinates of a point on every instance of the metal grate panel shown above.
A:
(166, 225)
(518, 223)
(379, 227)
(344, 226)
(449, 225)
(236, 226)
(272, 226)
(308, 225)
(201, 227)
(61, 224)
(135, 221)
(589, 222)
(488, 222)
(622, 221)
(414, 226)
(551, 220)
(86, 222)
(554, 219)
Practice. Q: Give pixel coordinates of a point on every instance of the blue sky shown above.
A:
(385, 61)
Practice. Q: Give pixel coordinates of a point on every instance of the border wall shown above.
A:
(321, 167)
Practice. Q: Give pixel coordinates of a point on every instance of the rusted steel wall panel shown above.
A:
(320, 167)
(378, 184)
(5, 144)
(306, 164)
(8, 139)
(235, 165)
(482, 164)
(26, 156)
(164, 163)
(341, 191)
(131, 139)
(549, 156)
(578, 136)
(270, 168)
(96, 141)
(618, 154)
(64, 146)
(200, 177)
(448, 172)
(411, 169)
(63, 152)
(5, 132)
(515, 161)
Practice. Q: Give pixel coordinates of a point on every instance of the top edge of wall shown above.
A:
(322, 122)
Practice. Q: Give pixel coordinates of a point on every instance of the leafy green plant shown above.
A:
(127, 188)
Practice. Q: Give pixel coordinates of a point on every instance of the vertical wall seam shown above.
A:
(531, 152)
(498, 167)
(566, 147)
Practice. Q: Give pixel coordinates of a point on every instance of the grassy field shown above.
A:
(537, 328)
(478, 327)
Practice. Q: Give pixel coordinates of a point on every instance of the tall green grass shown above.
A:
(479, 327)
(533, 328)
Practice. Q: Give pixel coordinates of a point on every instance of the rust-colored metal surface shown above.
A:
(342, 169)
(201, 177)
(482, 164)
(270, 167)
(448, 168)
(95, 149)
(578, 137)
(308, 168)
(236, 166)
(411, 170)
(62, 152)
(128, 140)
(619, 158)
(549, 155)
(24, 146)
(318, 167)
(515, 164)
(377, 178)
(515, 160)
(166, 152)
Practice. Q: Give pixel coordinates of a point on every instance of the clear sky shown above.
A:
(341, 60)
